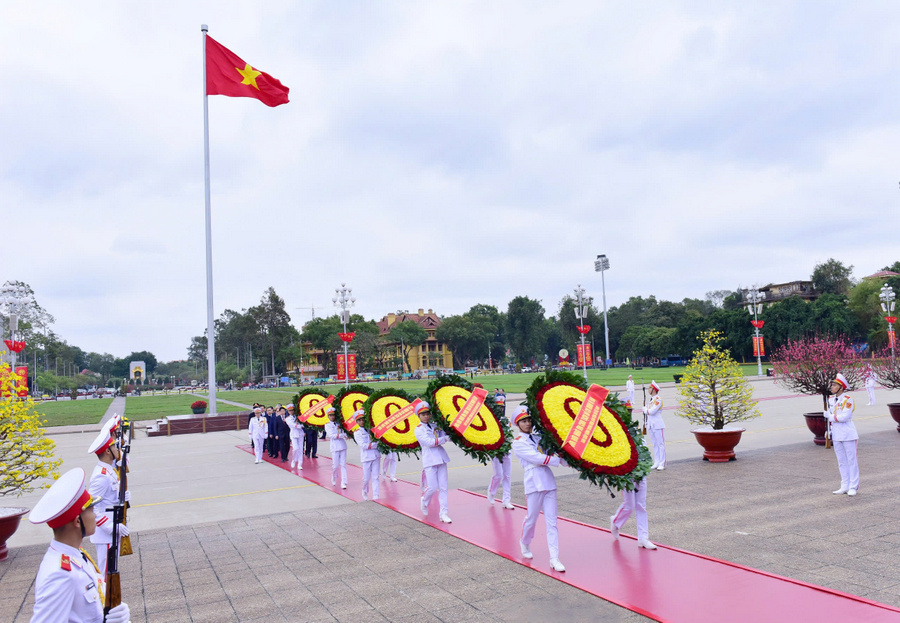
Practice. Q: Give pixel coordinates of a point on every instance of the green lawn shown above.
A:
(153, 407)
(68, 412)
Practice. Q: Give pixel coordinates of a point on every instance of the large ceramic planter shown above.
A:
(816, 424)
(718, 445)
(894, 408)
(9, 523)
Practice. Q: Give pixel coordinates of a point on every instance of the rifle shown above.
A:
(644, 390)
(828, 429)
(113, 583)
(125, 548)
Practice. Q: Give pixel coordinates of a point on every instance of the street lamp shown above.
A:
(887, 297)
(343, 299)
(580, 313)
(754, 296)
(15, 298)
(601, 265)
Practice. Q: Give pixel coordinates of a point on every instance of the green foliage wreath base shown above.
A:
(619, 483)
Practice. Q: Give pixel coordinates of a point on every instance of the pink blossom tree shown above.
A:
(887, 368)
(809, 365)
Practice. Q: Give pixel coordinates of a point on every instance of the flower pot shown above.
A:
(9, 523)
(718, 445)
(894, 408)
(198, 410)
(816, 424)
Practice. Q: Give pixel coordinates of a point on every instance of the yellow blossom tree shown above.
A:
(713, 391)
(25, 454)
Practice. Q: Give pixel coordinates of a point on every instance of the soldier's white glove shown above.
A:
(128, 496)
(119, 614)
(644, 410)
(123, 530)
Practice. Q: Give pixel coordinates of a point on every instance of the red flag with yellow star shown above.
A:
(226, 74)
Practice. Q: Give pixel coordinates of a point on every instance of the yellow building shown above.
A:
(432, 354)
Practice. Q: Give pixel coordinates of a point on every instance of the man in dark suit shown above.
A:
(284, 434)
(272, 441)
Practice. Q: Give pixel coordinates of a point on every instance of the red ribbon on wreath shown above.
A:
(347, 337)
(584, 330)
(16, 347)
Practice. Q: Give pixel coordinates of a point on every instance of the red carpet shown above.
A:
(668, 584)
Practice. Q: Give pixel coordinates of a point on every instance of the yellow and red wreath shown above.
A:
(307, 399)
(348, 401)
(488, 435)
(379, 406)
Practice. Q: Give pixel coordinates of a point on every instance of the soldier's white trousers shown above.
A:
(389, 464)
(258, 443)
(370, 476)
(538, 501)
(846, 457)
(658, 438)
(297, 450)
(871, 392)
(634, 502)
(502, 473)
(436, 481)
(339, 463)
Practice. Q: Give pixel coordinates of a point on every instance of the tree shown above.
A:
(809, 365)
(410, 335)
(866, 307)
(197, 351)
(525, 328)
(274, 323)
(713, 389)
(832, 277)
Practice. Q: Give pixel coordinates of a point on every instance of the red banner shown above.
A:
(316, 407)
(351, 366)
(892, 339)
(586, 421)
(19, 379)
(341, 368)
(759, 348)
(473, 405)
(583, 354)
(397, 417)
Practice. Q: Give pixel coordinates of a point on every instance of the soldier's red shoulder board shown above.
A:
(64, 563)
(103, 471)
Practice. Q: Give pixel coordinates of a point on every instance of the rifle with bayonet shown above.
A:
(113, 583)
(127, 433)
(644, 410)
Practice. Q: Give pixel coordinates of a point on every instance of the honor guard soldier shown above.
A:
(104, 488)
(434, 460)
(296, 438)
(656, 427)
(337, 440)
(871, 378)
(629, 389)
(540, 487)
(369, 457)
(69, 587)
(259, 431)
(843, 435)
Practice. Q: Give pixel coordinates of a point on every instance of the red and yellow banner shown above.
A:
(759, 348)
(584, 354)
(341, 368)
(19, 379)
(892, 339)
(586, 421)
(316, 407)
(470, 409)
(351, 366)
(397, 417)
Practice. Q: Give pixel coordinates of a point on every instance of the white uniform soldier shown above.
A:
(844, 435)
(871, 378)
(104, 489)
(296, 437)
(259, 431)
(656, 427)
(540, 487)
(629, 389)
(633, 502)
(369, 457)
(434, 461)
(389, 466)
(337, 440)
(69, 587)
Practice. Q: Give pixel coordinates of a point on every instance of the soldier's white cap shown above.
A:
(63, 502)
(358, 413)
(841, 380)
(112, 422)
(521, 412)
(329, 409)
(629, 376)
(421, 407)
(103, 441)
(290, 405)
(654, 385)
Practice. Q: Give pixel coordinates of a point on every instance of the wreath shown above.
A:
(347, 402)
(306, 399)
(382, 404)
(615, 458)
(488, 436)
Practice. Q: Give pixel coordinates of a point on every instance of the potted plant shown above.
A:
(25, 454)
(887, 368)
(809, 365)
(198, 406)
(714, 394)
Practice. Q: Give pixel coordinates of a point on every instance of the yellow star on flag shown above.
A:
(249, 75)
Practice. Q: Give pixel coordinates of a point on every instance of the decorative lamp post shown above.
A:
(887, 297)
(754, 296)
(580, 313)
(601, 265)
(14, 297)
(343, 298)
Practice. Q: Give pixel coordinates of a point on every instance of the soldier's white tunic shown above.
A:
(296, 440)
(434, 462)
(67, 588)
(337, 440)
(845, 438)
(104, 486)
(259, 430)
(656, 428)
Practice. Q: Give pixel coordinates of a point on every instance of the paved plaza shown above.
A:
(219, 538)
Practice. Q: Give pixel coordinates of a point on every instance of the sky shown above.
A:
(438, 155)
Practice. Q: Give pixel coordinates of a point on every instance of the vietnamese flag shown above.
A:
(226, 74)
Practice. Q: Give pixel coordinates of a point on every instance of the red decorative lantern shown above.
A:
(890, 319)
(758, 323)
(584, 330)
(15, 346)
(347, 337)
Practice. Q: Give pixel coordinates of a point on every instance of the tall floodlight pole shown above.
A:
(887, 297)
(14, 297)
(580, 313)
(343, 299)
(601, 265)
(754, 296)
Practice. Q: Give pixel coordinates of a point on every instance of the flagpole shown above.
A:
(210, 328)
